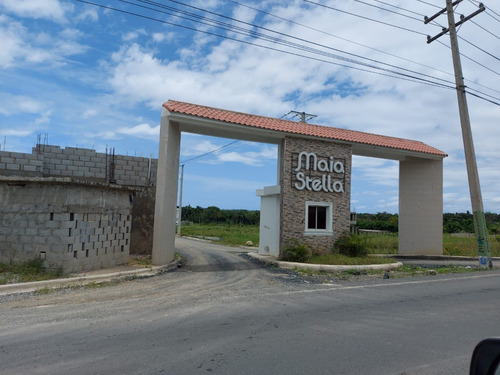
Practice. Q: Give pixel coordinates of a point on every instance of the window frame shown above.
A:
(328, 231)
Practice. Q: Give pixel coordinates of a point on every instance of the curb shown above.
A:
(324, 267)
(442, 258)
(82, 280)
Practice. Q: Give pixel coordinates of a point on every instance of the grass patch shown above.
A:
(91, 285)
(31, 270)
(337, 259)
(403, 272)
(145, 261)
(228, 234)
(237, 235)
(452, 245)
(382, 243)
(466, 246)
(101, 284)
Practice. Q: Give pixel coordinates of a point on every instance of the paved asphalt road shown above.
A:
(222, 313)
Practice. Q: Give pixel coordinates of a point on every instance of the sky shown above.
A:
(76, 74)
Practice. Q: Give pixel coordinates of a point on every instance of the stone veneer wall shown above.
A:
(293, 201)
(76, 226)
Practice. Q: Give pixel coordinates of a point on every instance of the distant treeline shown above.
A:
(452, 223)
(214, 214)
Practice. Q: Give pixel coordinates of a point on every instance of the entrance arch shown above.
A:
(420, 177)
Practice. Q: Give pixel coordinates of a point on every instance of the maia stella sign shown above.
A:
(317, 173)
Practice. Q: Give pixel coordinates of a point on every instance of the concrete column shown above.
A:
(269, 230)
(421, 206)
(166, 191)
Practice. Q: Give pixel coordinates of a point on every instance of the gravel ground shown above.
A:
(207, 270)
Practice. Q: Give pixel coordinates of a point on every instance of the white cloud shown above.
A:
(49, 9)
(193, 145)
(87, 14)
(15, 132)
(132, 35)
(142, 131)
(163, 37)
(250, 158)
(19, 104)
(211, 184)
(20, 45)
(90, 113)
(12, 44)
(115, 87)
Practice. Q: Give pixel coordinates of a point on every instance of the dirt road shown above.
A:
(207, 272)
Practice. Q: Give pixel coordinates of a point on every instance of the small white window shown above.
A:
(318, 218)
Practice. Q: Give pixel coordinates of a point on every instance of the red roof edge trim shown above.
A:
(298, 128)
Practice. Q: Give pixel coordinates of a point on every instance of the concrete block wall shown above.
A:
(71, 225)
(89, 164)
(293, 201)
(16, 163)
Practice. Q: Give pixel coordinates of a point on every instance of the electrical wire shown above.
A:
(485, 29)
(291, 44)
(488, 8)
(425, 2)
(366, 67)
(492, 16)
(471, 59)
(341, 38)
(479, 48)
(364, 17)
(387, 10)
(210, 152)
(480, 97)
(398, 7)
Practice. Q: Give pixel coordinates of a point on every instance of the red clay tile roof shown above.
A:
(294, 127)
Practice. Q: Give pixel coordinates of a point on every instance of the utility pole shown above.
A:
(304, 117)
(480, 229)
(179, 215)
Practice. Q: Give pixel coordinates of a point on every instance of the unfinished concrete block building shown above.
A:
(71, 207)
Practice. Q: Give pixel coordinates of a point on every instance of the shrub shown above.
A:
(296, 252)
(352, 245)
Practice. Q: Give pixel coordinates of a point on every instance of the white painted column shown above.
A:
(166, 191)
(421, 206)
(269, 230)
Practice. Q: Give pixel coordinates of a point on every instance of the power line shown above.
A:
(471, 59)
(341, 38)
(291, 44)
(398, 7)
(414, 77)
(366, 18)
(485, 29)
(383, 71)
(487, 9)
(387, 10)
(425, 2)
(483, 98)
(229, 27)
(479, 48)
(210, 152)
